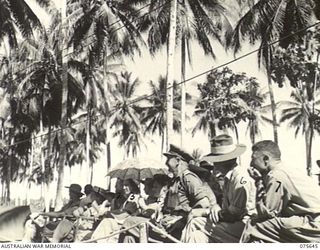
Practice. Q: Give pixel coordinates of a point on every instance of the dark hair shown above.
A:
(133, 186)
(88, 189)
(163, 180)
(269, 146)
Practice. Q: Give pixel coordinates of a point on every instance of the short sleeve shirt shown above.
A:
(289, 192)
(239, 193)
(189, 192)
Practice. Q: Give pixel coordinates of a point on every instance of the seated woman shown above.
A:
(97, 203)
(156, 189)
(114, 219)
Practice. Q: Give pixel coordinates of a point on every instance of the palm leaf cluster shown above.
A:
(267, 21)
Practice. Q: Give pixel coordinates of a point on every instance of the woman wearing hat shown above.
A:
(155, 188)
(225, 223)
(114, 219)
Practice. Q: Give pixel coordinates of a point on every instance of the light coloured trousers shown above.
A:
(201, 230)
(294, 229)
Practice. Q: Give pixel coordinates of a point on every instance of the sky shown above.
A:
(148, 68)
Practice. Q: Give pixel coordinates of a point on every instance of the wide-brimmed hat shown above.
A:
(175, 151)
(223, 149)
(75, 188)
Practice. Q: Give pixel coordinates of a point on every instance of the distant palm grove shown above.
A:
(65, 91)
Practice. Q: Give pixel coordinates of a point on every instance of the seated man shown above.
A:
(58, 230)
(226, 223)
(290, 210)
(197, 218)
(186, 193)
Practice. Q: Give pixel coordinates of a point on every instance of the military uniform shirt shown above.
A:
(239, 193)
(289, 192)
(187, 192)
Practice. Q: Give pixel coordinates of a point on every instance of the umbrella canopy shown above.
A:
(138, 169)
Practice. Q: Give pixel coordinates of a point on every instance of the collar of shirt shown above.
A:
(229, 173)
(277, 165)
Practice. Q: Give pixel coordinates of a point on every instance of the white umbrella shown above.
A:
(138, 169)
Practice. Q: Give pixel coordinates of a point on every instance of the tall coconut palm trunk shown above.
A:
(9, 169)
(43, 181)
(11, 132)
(308, 140)
(64, 105)
(311, 122)
(273, 109)
(89, 168)
(183, 90)
(28, 183)
(170, 70)
(212, 129)
(107, 142)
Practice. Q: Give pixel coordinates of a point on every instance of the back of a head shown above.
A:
(162, 180)
(268, 146)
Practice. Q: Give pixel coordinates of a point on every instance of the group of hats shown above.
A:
(222, 149)
(76, 188)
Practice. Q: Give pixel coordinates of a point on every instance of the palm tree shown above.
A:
(170, 70)
(77, 147)
(300, 115)
(96, 101)
(267, 21)
(197, 20)
(256, 118)
(125, 116)
(257, 113)
(299, 65)
(188, 30)
(18, 16)
(154, 114)
(105, 25)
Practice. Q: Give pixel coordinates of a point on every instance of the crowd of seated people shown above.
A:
(214, 200)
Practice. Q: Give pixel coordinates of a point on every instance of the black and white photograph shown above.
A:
(159, 121)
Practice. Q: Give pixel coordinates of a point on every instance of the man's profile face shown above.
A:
(257, 161)
(73, 196)
(172, 163)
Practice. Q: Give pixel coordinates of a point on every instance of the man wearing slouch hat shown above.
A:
(225, 223)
